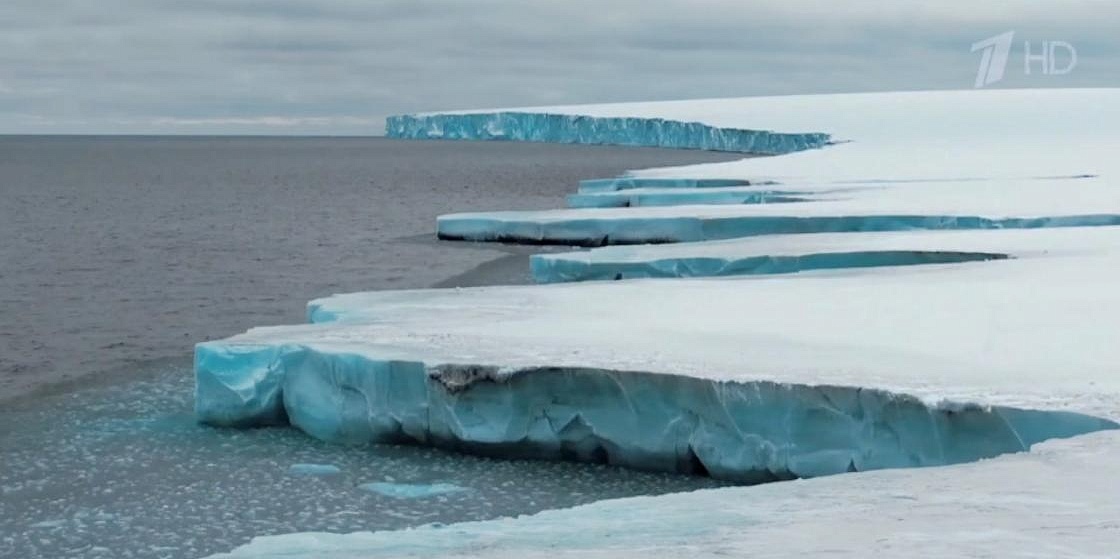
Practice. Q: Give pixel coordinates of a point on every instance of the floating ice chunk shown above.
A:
(412, 490)
(314, 470)
(576, 129)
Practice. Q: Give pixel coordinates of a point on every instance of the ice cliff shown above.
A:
(745, 431)
(577, 129)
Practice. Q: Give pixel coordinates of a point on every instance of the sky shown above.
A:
(339, 67)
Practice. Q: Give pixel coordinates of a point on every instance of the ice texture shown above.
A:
(784, 254)
(751, 432)
(1061, 500)
(690, 224)
(674, 197)
(767, 377)
(593, 186)
(577, 129)
(731, 379)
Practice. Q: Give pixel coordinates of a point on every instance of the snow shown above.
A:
(1008, 331)
(1059, 500)
(904, 135)
(680, 197)
(997, 155)
(762, 377)
(751, 379)
(998, 203)
(775, 254)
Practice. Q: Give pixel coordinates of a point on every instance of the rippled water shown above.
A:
(125, 471)
(118, 254)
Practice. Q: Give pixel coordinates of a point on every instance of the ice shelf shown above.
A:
(677, 197)
(1037, 203)
(783, 254)
(765, 377)
(598, 186)
(579, 129)
(732, 378)
(1059, 500)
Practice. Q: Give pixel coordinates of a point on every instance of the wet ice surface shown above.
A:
(125, 471)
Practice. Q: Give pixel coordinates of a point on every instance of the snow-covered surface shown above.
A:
(692, 196)
(906, 135)
(763, 377)
(1060, 500)
(1007, 203)
(1035, 332)
(770, 254)
(755, 379)
(989, 154)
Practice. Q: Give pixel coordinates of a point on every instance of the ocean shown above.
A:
(118, 254)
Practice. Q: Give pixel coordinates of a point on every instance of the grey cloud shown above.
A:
(340, 66)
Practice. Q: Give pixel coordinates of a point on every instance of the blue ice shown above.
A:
(594, 186)
(624, 199)
(573, 129)
(555, 268)
(740, 431)
(587, 228)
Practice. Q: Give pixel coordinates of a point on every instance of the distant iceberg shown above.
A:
(577, 129)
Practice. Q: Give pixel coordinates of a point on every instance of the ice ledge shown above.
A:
(755, 431)
(577, 129)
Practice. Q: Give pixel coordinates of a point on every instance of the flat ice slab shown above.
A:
(947, 135)
(1060, 500)
(752, 379)
(1034, 332)
(632, 198)
(781, 254)
(984, 159)
(990, 204)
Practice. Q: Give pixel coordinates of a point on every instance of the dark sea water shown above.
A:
(118, 254)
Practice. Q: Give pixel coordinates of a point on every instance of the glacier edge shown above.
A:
(750, 432)
(580, 129)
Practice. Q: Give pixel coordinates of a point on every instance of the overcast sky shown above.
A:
(341, 66)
